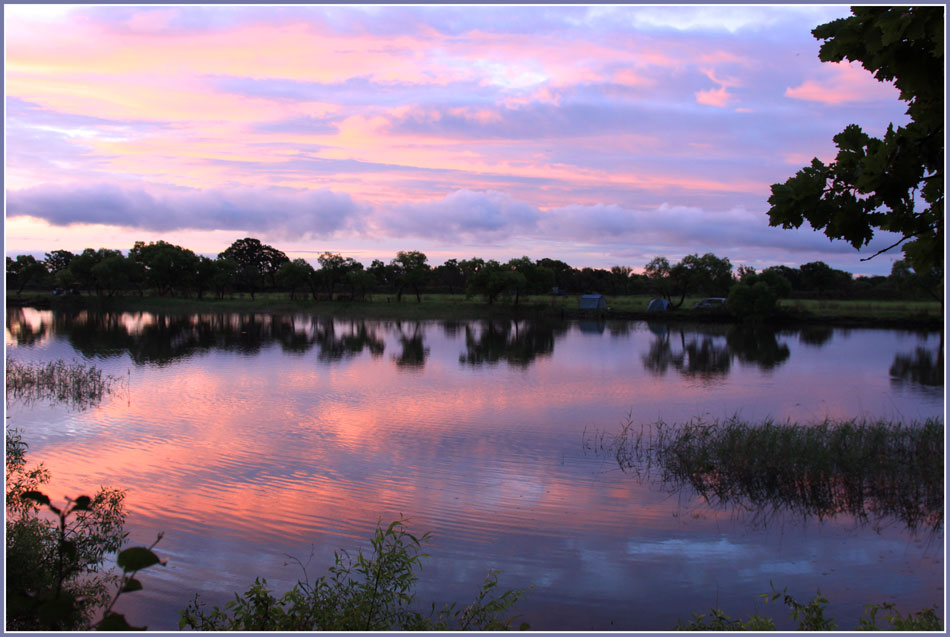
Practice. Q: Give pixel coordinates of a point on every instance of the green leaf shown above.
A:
(132, 585)
(136, 558)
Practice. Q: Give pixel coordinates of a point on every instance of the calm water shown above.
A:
(251, 438)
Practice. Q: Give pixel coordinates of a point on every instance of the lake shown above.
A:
(255, 440)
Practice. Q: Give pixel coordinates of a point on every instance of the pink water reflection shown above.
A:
(242, 458)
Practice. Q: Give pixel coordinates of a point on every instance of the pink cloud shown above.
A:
(841, 83)
(719, 97)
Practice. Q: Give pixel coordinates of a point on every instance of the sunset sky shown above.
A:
(598, 135)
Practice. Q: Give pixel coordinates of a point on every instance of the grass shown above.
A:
(75, 384)
(928, 310)
(869, 470)
(458, 307)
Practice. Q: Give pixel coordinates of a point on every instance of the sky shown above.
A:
(600, 135)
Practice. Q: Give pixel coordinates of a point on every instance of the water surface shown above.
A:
(248, 438)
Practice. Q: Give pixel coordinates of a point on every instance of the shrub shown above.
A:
(54, 574)
(372, 592)
(756, 299)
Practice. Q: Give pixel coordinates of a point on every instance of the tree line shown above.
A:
(249, 266)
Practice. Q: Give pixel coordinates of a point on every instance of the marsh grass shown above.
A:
(873, 471)
(76, 384)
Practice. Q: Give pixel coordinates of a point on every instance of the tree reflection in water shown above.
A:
(923, 367)
(707, 352)
(519, 343)
(414, 351)
(338, 340)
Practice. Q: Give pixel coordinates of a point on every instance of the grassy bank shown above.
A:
(458, 307)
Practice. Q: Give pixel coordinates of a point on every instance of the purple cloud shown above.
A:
(282, 211)
(463, 213)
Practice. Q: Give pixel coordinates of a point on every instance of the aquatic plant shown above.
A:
(76, 384)
(368, 592)
(870, 470)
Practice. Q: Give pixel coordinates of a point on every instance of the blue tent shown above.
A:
(659, 305)
(593, 302)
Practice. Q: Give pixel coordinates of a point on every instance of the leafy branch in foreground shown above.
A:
(370, 592)
(811, 617)
(54, 577)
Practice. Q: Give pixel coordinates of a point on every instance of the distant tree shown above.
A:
(204, 275)
(114, 273)
(621, 279)
(81, 268)
(384, 274)
(745, 272)
(694, 274)
(821, 278)
(469, 267)
(450, 275)
(166, 266)
(564, 275)
(58, 260)
(360, 283)
(224, 277)
(537, 279)
(294, 275)
(333, 270)
(708, 274)
(257, 263)
(492, 278)
(792, 275)
(23, 271)
(751, 299)
(895, 183)
(411, 271)
(903, 277)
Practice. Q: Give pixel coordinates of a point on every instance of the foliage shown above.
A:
(881, 183)
(294, 275)
(257, 263)
(248, 266)
(166, 266)
(706, 275)
(58, 260)
(334, 269)
(752, 298)
(370, 592)
(54, 576)
(811, 617)
(410, 270)
(23, 271)
(924, 620)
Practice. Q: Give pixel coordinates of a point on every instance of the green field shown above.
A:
(458, 307)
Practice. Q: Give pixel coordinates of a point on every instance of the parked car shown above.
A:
(713, 301)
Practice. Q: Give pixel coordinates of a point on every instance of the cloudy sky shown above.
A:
(599, 135)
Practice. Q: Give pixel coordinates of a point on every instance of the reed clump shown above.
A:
(75, 383)
(870, 470)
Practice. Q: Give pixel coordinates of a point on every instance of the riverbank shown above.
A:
(850, 313)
